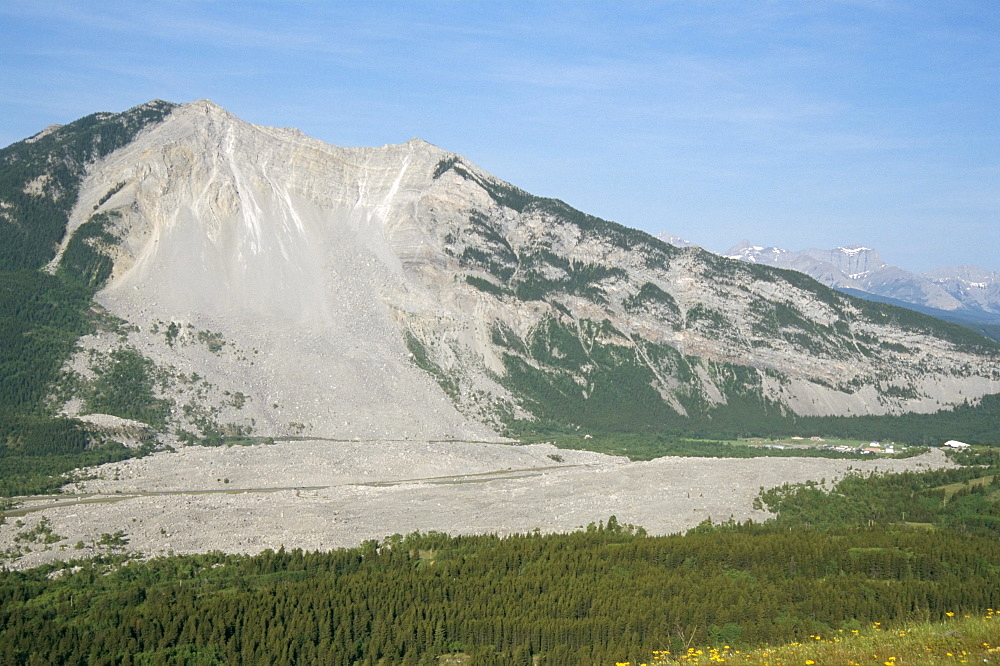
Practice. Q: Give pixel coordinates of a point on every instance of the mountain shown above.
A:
(974, 287)
(671, 239)
(249, 279)
(853, 267)
(961, 288)
(967, 295)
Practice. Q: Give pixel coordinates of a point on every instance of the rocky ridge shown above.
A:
(283, 286)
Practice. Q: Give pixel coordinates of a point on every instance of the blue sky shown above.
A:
(798, 123)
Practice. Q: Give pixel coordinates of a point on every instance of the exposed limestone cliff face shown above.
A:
(280, 246)
(367, 292)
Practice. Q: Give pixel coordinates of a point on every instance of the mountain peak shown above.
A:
(852, 260)
(206, 104)
(208, 108)
(744, 251)
(852, 250)
(674, 240)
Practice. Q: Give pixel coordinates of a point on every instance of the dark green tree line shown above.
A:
(589, 597)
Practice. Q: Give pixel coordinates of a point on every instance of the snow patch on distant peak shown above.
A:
(854, 250)
(754, 253)
(674, 240)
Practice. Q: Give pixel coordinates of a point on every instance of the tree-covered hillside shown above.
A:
(42, 315)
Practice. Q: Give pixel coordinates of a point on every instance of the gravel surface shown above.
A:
(321, 495)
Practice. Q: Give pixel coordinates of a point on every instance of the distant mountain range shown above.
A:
(968, 295)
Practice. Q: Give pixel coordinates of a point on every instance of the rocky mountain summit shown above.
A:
(673, 239)
(955, 289)
(257, 280)
(975, 287)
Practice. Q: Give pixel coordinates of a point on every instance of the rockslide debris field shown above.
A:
(322, 495)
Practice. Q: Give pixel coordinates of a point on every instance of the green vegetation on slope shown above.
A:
(583, 377)
(40, 179)
(610, 383)
(42, 316)
(974, 424)
(83, 261)
(124, 387)
(977, 423)
(959, 639)
(585, 374)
